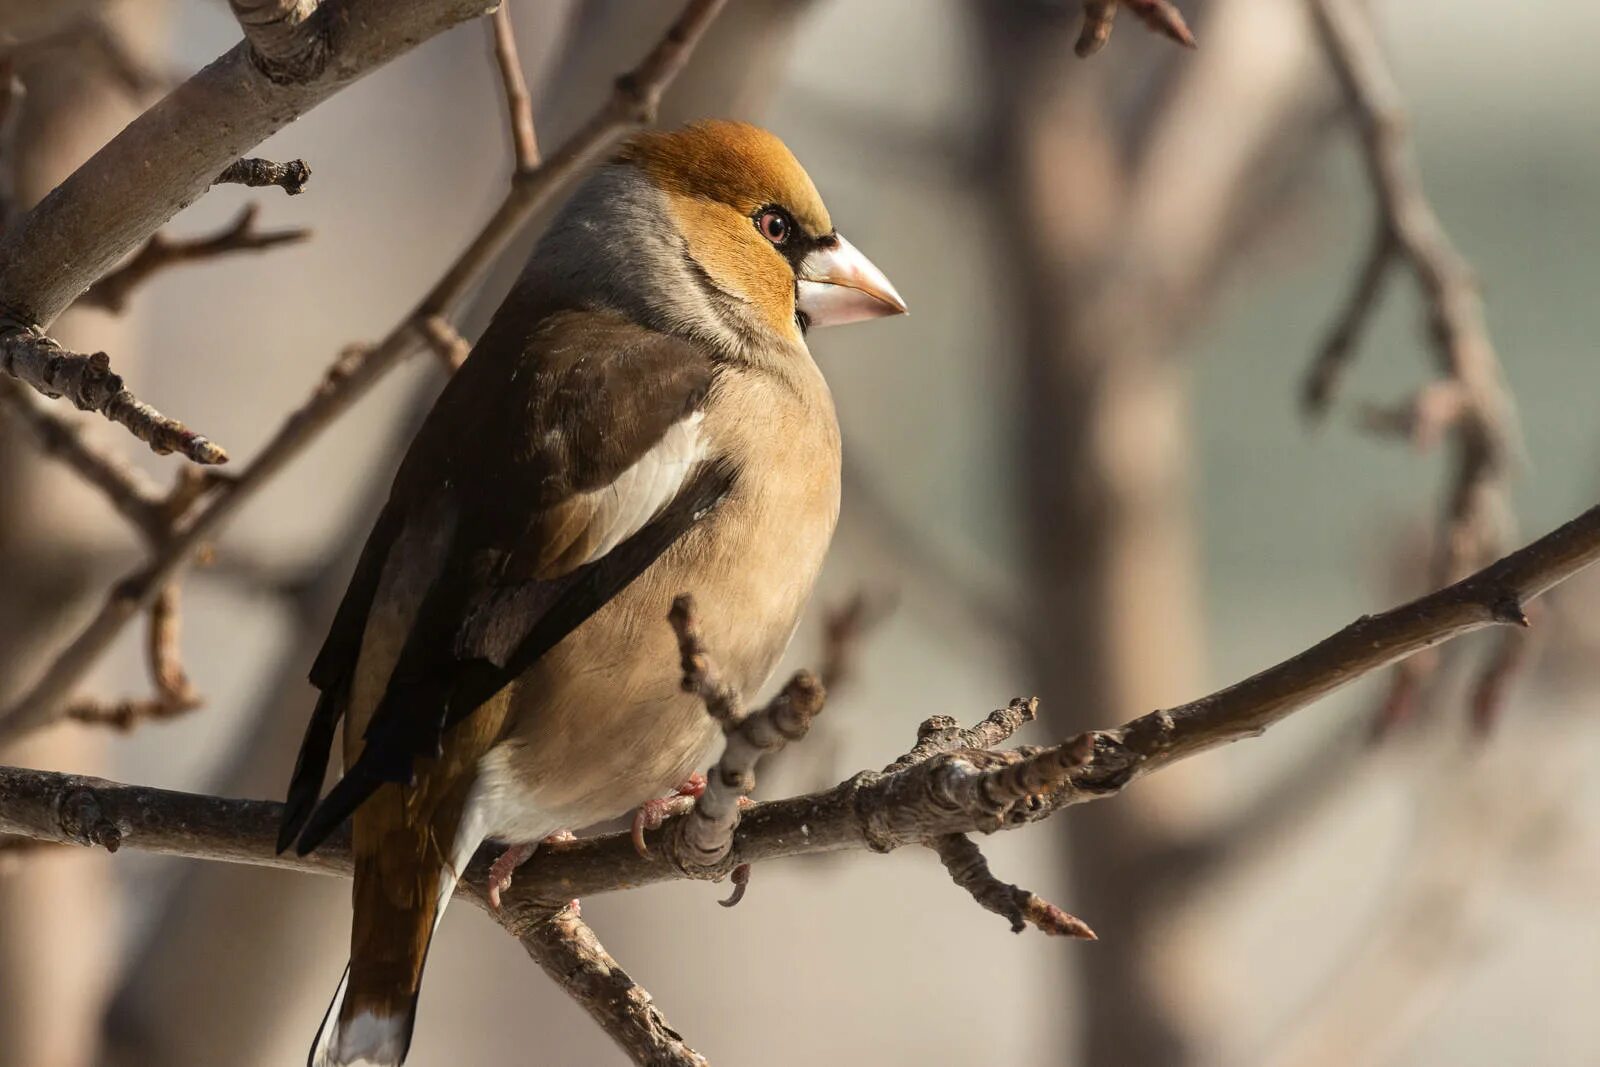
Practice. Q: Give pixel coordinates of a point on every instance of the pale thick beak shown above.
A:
(838, 285)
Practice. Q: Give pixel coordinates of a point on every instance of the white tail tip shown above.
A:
(372, 1039)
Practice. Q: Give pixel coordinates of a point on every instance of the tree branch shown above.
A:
(568, 951)
(160, 252)
(633, 101)
(291, 177)
(952, 792)
(705, 834)
(287, 39)
(1471, 400)
(87, 380)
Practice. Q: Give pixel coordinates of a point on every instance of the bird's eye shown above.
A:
(774, 226)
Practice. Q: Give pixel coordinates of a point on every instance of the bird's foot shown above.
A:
(502, 869)
(500, 872)
(652, 813)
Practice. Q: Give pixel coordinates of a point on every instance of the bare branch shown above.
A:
(524, 141)
(160, 252)
(288, 42)
(291, 177)
(969, 870)
(568, 951)
(1161, 16)
(1471, 401)
(941, 733)
(174, 694)
(88, 381)
(952, 793)
(358, 368)
(956, 792)
(127, 489)
(111, 205)
(1337, 348)
(705, 834)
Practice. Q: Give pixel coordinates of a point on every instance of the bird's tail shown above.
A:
(402, 884)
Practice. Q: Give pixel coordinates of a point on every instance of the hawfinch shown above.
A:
(642, 418)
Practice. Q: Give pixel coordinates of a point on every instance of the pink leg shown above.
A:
(512, 858)
(652, 812)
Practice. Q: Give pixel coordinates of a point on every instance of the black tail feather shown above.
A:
(305, 785)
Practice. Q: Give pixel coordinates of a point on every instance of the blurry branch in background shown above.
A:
(160, 252)
(1161, 16)
(933, 792)
(112, 204)
(632, 103)
(1469, 401)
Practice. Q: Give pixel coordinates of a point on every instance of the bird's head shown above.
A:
(754, 229)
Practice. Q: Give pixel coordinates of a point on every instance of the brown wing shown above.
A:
(556, 466)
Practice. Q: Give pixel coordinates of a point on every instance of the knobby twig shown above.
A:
(1470, 401)
(952, 792)
(291, 177)
(1162, 16)
(88, 381)
(633, 102)
(969, 870)
(568, 951)
(160, 252)
(705, 834)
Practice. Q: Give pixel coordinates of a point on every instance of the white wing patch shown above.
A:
(627, 505)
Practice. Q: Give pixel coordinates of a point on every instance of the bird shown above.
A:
(641, 418)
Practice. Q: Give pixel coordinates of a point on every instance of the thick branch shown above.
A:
(632, 101)
(287, 38)
(952, 793)
(167, 157)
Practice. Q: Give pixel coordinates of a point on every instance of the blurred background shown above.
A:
(1078, 469)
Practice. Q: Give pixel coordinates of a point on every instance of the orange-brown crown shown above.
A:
(734, 163)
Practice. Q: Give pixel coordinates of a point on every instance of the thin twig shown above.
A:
(124, 486)
(940, 733)
(969, 870)
(1471, 401)
(88, 381)
(524, 141)
(633, 101)
(568, 951)
(291, 177)
(160, 252)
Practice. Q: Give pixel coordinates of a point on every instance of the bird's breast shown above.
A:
(601, 723)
